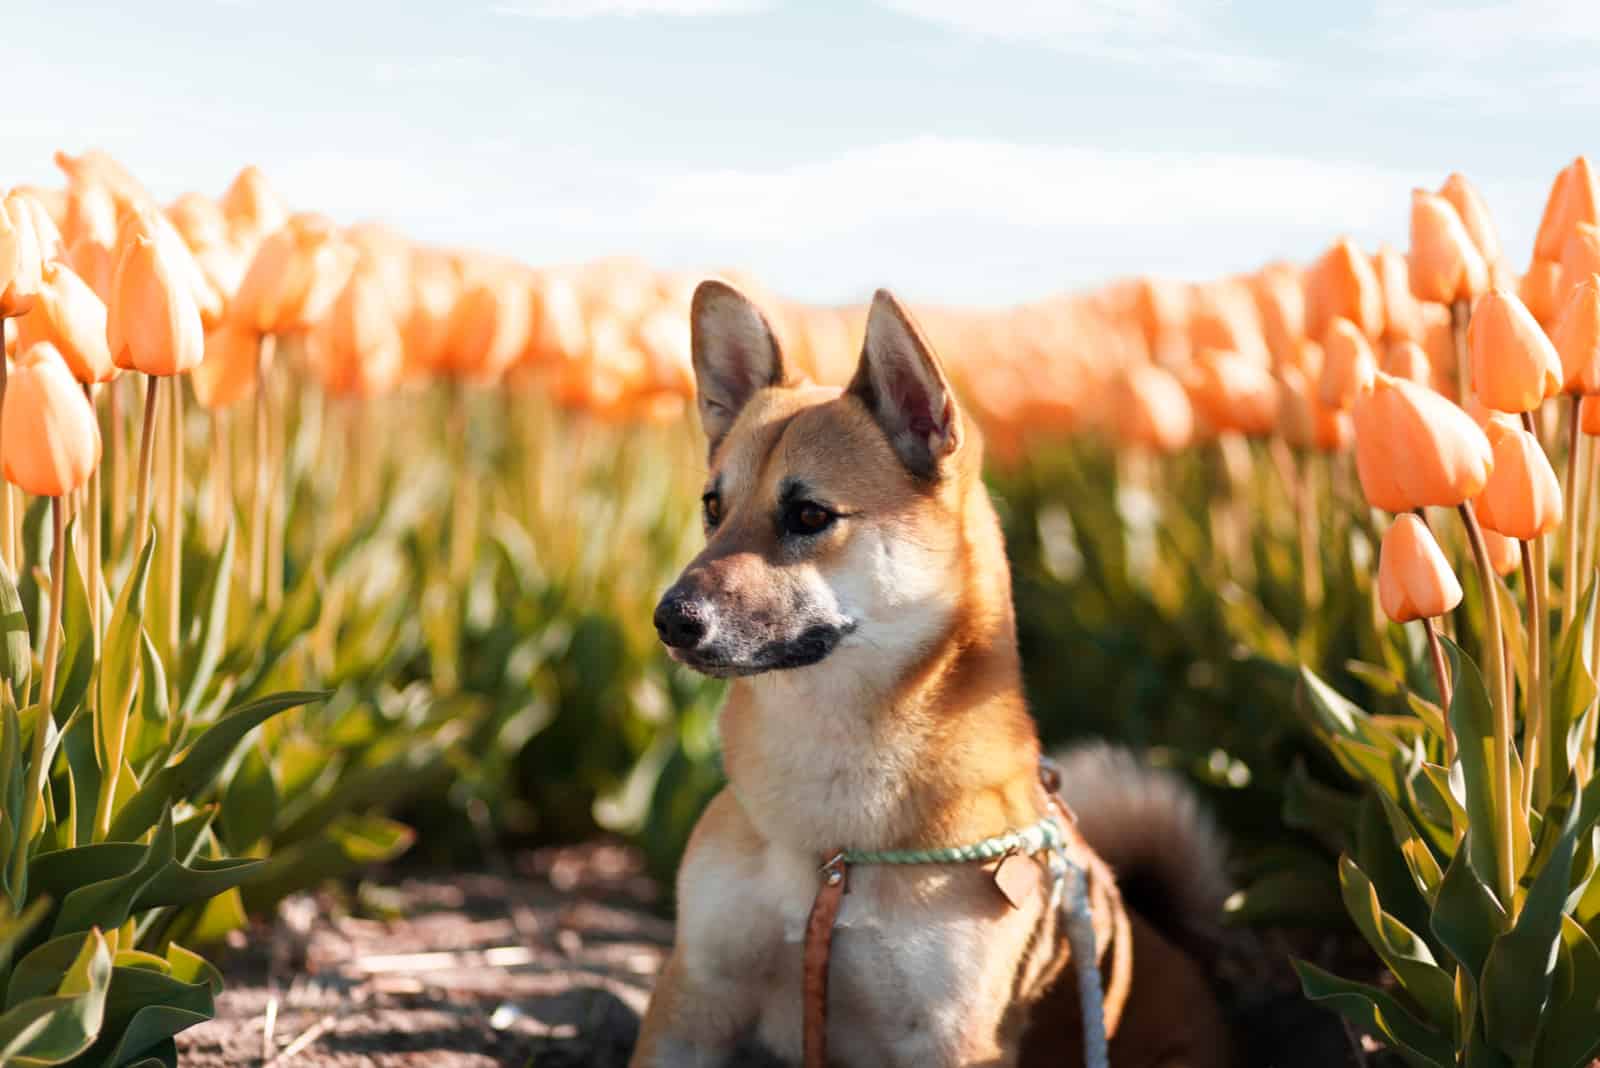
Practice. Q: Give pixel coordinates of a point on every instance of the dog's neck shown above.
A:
(927, 745)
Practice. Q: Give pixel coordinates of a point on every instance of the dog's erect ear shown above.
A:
(735, 354)
(901, 383)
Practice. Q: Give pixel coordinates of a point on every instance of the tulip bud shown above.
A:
(1573, 199)
(45, 231)
(1504, 556)
(1474, 215)
(1514, 366)
(1540, 289)
(435, 289)
(20, 260)
(1415, 449)
(359, 342)
(1580, 258)
(490, 325)
(1342, 283)
(1405, 359)
(67, 314)
(1233, 393)
(1445, 264)
(49, 438)
(1155, 411)
(1347, 365)
(153, 318)
(227, 374)
(294, 277)
(1577, 338)
(561, 332)
(1402, 315)
(1281, 306)
(1522, 498)
(251, 208)
(1589, 416)
(1414, 578)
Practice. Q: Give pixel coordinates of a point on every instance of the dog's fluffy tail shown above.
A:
(1148, 825)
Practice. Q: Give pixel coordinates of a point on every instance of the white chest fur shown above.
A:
(920, 973)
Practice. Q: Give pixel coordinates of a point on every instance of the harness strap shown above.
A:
(818, 946)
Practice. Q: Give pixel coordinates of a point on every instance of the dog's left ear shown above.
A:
(900, 381)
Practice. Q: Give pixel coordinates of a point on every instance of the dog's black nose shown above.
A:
(680, 621)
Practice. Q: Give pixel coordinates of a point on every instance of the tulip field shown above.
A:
(322, 549)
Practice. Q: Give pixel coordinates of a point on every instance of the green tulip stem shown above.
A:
(91, 530)
(44, 719)
(1441, 675)
(1505, 878)
(174, 532)
(1460, 316)
(8, 520)
(1571, 585)
(1536, 570)
(263, 480)
(147, 456)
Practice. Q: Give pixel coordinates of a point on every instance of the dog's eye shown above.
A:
(807, 517)
(711, 508)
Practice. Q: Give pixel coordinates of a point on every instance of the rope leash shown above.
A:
(1069, 892)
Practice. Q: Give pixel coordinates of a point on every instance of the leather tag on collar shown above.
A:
(818, 946)
(1017, 877)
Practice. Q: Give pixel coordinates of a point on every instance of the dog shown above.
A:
(854, 587)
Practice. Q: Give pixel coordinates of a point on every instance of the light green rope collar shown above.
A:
(1030, 841)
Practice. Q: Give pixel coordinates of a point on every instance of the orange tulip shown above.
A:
(1402, 315)
(1573, 199)
(67, 314)
(1233, 393)
(1281, 305)
(20, 259)
(1446, 265)
(1414, 578)
(49, 439)
(561, 331)
(1580, 257)
(251, 208)
(1577, 338)
(359, 343)
(490, 325)
(1514, 366)
(1522, 498)
(1155, 412)
(95, 167)
(1589, 416)
(198, 220)
(227, 373)
(1504, 556)
(1474, 215)
(1415, 449)
(1405, 359)
(1342, 283)
(153, 318)
(435, 280)
(1540, 289)
(1347, 365)
(45, 230)
(294, 276)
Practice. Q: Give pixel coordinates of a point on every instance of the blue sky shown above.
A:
(974, 151)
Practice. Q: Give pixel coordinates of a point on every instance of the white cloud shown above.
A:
(1182, 39)
(1459, 32)
(584, 9)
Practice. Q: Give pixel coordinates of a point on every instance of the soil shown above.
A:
(550, 963)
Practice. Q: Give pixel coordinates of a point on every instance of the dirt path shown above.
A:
(450, 971)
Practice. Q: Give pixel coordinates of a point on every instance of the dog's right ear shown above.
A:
(735, 354)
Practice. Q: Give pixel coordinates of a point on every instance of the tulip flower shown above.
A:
(69, 315)
(1474, 215)
(153, 318)
(561, 331)
(1414, 578)
(1405, 359)
(1155, 412)
(227, 373)
(1522, 498)
(1580, 257)
(1281, 305)
(1574, 198)
(294, 277)
(1233, 393)
(20, 260)
(1540, 289)
(1342, 283)
(1416, 449)
(1514, 366)
(1446, 265)
(490, 325)
(359, 343)
(1577, 338)
(49, 438)
(1402, 315)
(251, 208)
(1347, 365)
(1504, 556)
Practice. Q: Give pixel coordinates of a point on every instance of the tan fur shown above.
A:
(913, 732)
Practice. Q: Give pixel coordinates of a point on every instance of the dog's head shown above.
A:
(834, 519)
